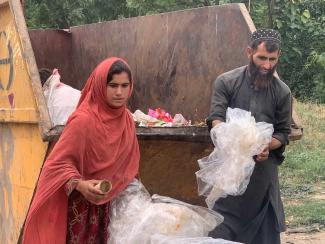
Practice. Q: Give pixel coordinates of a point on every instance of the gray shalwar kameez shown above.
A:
(257, 216)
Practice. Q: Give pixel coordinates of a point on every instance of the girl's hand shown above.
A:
(88, 189)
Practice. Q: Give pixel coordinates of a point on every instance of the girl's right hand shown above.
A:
(88, 189)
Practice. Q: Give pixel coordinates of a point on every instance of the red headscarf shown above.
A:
(98, 142)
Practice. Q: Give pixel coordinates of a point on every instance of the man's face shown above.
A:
(262, 62)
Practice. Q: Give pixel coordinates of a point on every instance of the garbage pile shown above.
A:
(159, 118)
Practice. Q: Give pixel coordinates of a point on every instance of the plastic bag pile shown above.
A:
(227, 170)
(138, 218)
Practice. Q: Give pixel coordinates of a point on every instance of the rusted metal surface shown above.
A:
(189, 134)
(52, 49)
(174, 56)
(198, 134)
(168, 167)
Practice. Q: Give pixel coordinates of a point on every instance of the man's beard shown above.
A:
(259, 79)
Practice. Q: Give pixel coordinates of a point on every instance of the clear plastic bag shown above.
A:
(159, 239)
(227, 170)
(135, 217)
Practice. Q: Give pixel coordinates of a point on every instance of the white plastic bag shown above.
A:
(135, 217)
(61, 99)
(143, 118)
(227, 170)
(159, 239)
(179, 120)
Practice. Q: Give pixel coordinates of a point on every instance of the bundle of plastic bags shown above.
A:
(227, 170)
(135, 217)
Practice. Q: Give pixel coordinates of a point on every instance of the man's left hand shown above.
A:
(263, 155)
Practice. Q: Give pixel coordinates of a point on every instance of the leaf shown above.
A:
(296, 50)
(303, 19)
(306, 14)
(279, 24)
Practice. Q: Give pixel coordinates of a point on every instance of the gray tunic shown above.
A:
(244, 215)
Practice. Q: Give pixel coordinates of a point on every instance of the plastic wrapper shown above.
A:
(135, 216)
(159, 239)
(159, 118)
(61, 99)
(160, 114)
(143, 118)
(227, 170)
(179, 120)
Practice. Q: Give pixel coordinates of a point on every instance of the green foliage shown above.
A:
(302, 174)
(103, 10)
(55, 14)
(144, 7)
(311, 79)
(300, 22)
(66, 13)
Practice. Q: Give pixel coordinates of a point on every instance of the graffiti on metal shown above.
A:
(7, 154)
(6, 82)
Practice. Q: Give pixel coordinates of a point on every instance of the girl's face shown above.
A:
(118, 90)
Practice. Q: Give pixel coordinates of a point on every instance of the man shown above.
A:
(257, 216)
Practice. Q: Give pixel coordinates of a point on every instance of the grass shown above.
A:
(304, 169)
(306, 213)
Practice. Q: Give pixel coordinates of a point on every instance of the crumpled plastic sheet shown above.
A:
(135, 216)
(227, 170)
(158, 239)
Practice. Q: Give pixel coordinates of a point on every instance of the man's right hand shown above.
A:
(88, 189)
(263, 155)
(216, 122)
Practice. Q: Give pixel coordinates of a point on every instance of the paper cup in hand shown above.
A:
(105, 186)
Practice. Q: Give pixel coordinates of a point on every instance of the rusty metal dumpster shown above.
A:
(174, 57)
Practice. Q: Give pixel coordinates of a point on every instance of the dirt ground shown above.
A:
(303, 238)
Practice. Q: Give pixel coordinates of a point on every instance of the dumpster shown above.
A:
(174, 57)
(23, 121)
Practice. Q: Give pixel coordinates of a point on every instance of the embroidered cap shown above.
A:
(266, 35)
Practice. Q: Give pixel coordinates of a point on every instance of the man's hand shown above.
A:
(263, 155)
(90, 192)
(216, 122)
